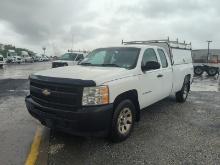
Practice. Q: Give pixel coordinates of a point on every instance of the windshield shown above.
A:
(113, 57)
(68, 57)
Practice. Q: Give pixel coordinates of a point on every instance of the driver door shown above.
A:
(150, 80)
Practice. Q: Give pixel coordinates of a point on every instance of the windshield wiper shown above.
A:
(105, 65)
(111, 65)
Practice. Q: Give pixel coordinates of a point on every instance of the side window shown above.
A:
(162, 58)
(79, 57)
(149, 55)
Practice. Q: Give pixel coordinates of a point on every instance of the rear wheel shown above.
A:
(212, 71)
(182, 95)
(123, 121)
(198, 70)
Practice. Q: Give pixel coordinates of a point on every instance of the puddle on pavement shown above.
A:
(16, 71)
(55, 148)
(206, 83)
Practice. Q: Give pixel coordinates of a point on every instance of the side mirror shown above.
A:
(151, 65)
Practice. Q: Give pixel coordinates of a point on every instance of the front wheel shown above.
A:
(123, 121)
(182, 95)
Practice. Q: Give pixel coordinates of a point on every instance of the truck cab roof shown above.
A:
(134, 46)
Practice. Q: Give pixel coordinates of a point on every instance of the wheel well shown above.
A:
(187, 78)
(133, 96)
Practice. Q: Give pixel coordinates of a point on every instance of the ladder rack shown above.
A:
(171, 44)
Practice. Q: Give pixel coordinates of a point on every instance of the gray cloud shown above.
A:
(39, 20)
(194, 20)
(96, 23)
(169, 8)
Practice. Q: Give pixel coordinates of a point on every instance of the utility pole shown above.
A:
(72, 42)
(44, 49)
(208, 50)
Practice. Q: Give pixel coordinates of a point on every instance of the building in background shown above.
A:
(201, 56)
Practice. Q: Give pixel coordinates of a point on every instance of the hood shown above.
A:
(98, 74)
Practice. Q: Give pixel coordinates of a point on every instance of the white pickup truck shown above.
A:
(103, 95)
(69, 59)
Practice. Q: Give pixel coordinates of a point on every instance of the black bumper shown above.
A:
(58, 64)
(86, 121)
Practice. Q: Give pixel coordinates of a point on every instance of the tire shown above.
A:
(198, 70)
(122, 121)
(182, 95)
(212, 71)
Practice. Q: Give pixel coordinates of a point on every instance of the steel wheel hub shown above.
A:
(125, 121)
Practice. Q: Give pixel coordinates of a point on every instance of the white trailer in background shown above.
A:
(211, 69)
(206, 61)
(12, 57)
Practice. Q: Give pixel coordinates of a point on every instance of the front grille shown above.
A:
(59, 64)
(61, 96)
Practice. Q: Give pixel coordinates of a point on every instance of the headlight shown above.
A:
(95, 95)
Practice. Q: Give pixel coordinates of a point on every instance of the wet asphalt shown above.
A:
(17, 127)
(168, 133)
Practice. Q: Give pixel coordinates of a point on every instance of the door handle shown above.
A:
(159, 75)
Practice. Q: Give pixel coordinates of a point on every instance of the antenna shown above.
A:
(72, 41)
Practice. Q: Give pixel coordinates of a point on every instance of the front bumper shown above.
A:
(59, 64)
(86, 121)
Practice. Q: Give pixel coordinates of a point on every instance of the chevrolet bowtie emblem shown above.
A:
(46, 92)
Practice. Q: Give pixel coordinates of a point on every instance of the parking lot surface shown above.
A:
(22, 71)
(17, 126)
(168, 133)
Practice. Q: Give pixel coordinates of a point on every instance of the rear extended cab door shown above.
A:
(165, 73)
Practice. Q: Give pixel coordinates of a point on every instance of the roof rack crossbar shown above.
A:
(172, 44)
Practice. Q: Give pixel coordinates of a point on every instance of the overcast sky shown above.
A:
(97, 23)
